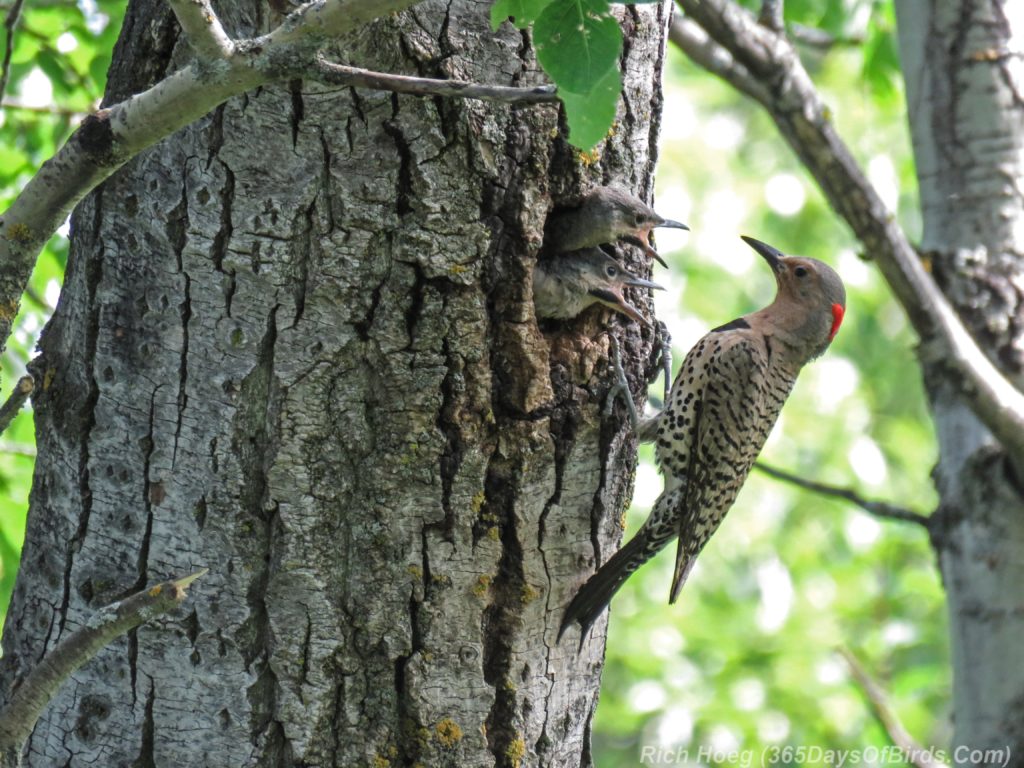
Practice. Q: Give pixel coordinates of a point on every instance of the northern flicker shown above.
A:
(605, 215)
(565, 285)
(722, 405)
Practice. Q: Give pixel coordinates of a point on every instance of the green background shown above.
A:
(749, 656)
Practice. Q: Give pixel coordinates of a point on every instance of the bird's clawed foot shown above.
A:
(646, 428)
(620, 387)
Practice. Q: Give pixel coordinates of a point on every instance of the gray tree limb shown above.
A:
(14, 403)
(20, 715)
(110, 137)
(10, 24)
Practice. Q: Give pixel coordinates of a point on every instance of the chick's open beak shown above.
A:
(614, 299)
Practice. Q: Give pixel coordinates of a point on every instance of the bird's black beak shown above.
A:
(671, 224)
(773, 256)
(639, 282)
(615, 300)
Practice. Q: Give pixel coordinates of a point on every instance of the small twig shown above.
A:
(819, 38)
(14, 403)
(876, 508)
(203, 29)
(46, 109)
(339, 74)
(10, 22)
(28, 700)
(771, 15)
(18, 449)
(882, 707)
(36, 298)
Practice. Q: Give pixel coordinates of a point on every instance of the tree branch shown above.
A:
(18, 449)
(10, 22)
(796, 107)
(14, 403)
(20, 715)
(818, 38)
(46, 109)
(885, 713)
(110, 137)
(339, 74)
(876, 508)
(203, 29)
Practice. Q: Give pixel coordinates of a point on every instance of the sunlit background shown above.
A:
(750, 655)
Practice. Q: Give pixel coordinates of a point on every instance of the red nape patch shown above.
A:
(837, 319)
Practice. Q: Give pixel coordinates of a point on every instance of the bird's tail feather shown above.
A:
(684, 564)
(594, 596)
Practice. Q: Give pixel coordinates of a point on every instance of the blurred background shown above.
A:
(752, 654)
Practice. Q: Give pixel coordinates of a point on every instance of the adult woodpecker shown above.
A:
(605, 215)
(722, 405)
(565, 285)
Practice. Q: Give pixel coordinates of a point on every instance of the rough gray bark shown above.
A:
(966, 115)
(296, 346)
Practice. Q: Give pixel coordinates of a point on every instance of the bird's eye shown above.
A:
(611, 271)
(800, 271)
(639, 220)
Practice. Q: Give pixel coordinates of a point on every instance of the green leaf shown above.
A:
(578, 42)
(522, 12)
(590, 115)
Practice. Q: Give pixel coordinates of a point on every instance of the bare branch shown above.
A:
(14, 403)
(339, 74)
(805, 122)
(885, 713)
(46, 109)
(28, 700)
(10, 23)
(203, 29)
(818, 38)
(876, 508)
(39, 300)
(18, 449)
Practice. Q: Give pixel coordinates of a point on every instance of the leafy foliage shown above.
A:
(579, 44)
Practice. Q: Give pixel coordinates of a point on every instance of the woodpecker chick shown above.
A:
(567, 284)
(605, 215)
(723, 403)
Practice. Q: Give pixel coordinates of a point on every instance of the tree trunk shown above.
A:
(967, 123)
(296, 345)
